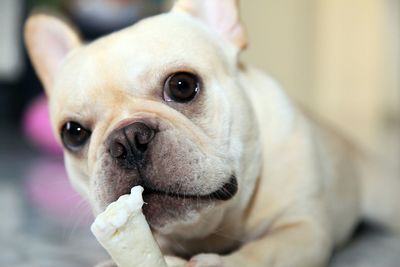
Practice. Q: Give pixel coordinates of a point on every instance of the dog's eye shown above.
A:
(74, 136)
(181, 87)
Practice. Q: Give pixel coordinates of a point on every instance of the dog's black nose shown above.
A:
(129, 144)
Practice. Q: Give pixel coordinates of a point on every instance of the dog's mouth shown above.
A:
(225, 192)
(162, 207)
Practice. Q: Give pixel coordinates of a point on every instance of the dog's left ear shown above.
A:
(220, 15)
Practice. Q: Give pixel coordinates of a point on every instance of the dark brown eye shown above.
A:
(74, 136)
(181, 87)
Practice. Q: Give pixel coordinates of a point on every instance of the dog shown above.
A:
(234, 173)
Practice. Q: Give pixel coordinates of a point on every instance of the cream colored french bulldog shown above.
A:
(234, 174)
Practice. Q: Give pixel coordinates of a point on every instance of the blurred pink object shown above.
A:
(49, 190)
(36, 125)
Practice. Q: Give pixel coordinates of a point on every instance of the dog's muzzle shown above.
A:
(139, 154)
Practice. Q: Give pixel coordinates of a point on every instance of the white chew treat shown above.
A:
(124, 232)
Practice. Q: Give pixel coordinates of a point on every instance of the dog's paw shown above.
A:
(206, 260)
(173, 261)
(109, 224)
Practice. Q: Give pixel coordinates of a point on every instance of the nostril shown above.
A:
(117, 150)
(145, 136)
(140, 145)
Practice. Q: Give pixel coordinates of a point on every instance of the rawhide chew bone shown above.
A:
(124, 232)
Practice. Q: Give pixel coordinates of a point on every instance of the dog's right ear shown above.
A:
(220, 15)
(48, 41)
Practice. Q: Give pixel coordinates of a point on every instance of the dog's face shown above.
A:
(157, 105)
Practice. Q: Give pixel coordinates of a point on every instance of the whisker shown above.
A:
(79, 217)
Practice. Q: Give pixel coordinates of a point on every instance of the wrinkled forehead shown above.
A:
(140, 55)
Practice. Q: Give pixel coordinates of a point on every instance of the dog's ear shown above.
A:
(220, 15)
(48, 41)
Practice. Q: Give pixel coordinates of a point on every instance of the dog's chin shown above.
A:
(162, 209)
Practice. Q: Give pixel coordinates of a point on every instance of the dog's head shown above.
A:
(157, 104)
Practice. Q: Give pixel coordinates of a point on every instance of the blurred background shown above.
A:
(338, 58)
